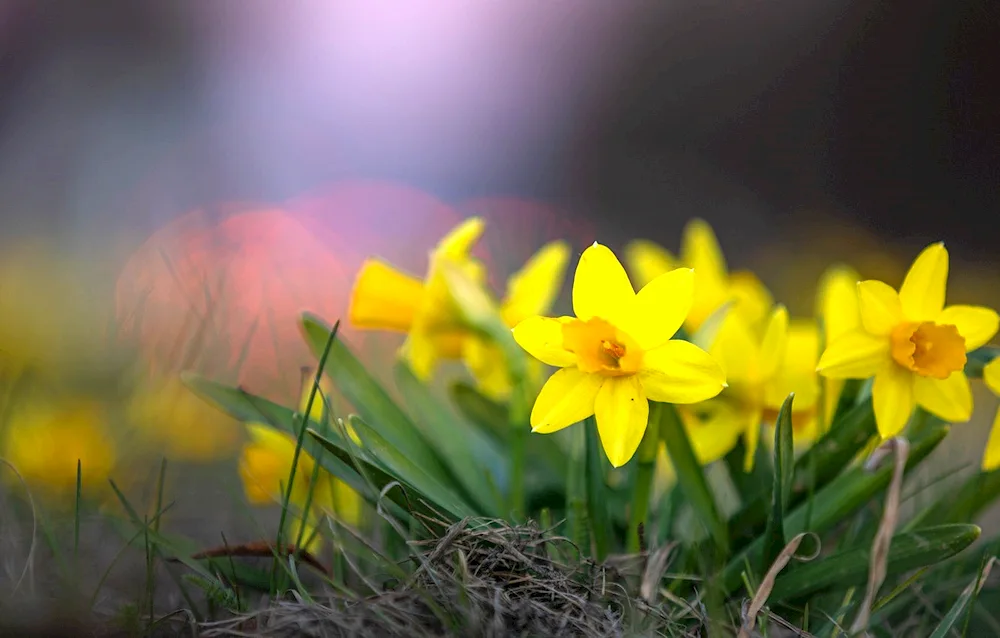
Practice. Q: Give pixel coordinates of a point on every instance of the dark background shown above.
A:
(752, 114)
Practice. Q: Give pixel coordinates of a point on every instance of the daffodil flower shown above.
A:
(913, 345)
(837, 308)
(264, 468)
(797, 373)
(991, 458)
(713, 283)
(387, 299)
(617, 354)
(712, 427)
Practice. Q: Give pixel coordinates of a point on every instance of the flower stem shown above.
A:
(646, 457)
(518, 437)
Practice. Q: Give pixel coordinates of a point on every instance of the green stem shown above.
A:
(640, 506)
(518, 433)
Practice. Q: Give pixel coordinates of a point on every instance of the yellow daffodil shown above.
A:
(913, 345)
(45, 440)
(387, 299)
(837, 308)
(617, 354)
(713, 283)
(991, 458)
(179, 424)
(797, 374)
(264, 468)
(712, 427)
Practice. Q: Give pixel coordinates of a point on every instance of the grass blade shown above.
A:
(784, 455)
(964, 602)
(596, 489)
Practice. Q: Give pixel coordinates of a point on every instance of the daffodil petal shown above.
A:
(542, 338)
(622, 413)
(566, 398)
(384, 298)
(660, 308)
(976, 324)
(647, 261)
(949, 399)
(700, 250)
(531, 290)
(854, 355)
(751, 299)
(991, 375)
(838, 302)
(892, 398)
(881, 310)
(772, 348)
(601, 287)
(991, 458)
(459, 241)
(681, 372)
(752, 437)
(923, 290)
(735, 347)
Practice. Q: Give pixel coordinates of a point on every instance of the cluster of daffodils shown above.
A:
(694, 334)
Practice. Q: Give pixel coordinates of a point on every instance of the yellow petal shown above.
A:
(660, 308)
(700, 250)
(752, 299)
(923, 290)
(735, 347)
(384, 298)
(681, 372)
(838, 302)
(647, 261)
(949, 399)
(752, 438)
(457, 243)
(486, 362)
(347, 503)
(542, 338)
(531, 290)
(854, 355)
(881, 310)
(991, 458)
(713, 427)
(312, 540)
(892, 398)
(991, 375)
(566, 398)
(600, 287)
(622, 413)
(976, 324)
(772, 348)
(265, 463)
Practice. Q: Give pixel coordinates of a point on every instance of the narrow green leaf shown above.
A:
(834, 503)
(371, 400)
(690, 474)
(578, 522)
(784, 459)
(909, 550)
(471, 457)
(978, 358)
(964, 602)
(409, 472)
(597, 497)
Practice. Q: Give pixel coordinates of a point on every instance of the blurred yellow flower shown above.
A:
(713, 283)
(913, 345)
(797, 374)
(712, 427)
(321, 407)
(180, 425)
(45, 440)
(991, 458)
(387, 299)
(617, 353)
(264, 468)
(837, 308)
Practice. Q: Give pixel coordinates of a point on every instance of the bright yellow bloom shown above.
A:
(265, 466)
(617, 354)
(713, 284)
(991, 458)
(386, 299)
(712, 427)
(913, 345)
(180, 425)
(44, 442)
(837, 307)
(797, 374)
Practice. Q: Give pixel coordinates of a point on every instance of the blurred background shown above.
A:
(175, 175)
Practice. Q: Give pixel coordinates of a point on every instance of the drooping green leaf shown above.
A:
(784, 455)
(371, 400)
(978, 358)
(597, 497)
(834, 503)
(909, 550)
(471, 457)
(690, 474)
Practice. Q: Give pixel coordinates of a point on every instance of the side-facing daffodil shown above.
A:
(712, 427)
(837, 308)
(617, 354)
(991, 458)
(387, 299)
(913, 345)
(714, 285)
(264, 468)
(797, 373)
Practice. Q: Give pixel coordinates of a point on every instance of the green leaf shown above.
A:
(577, 520)
(597, 497)
(964, 602)
(909, 550)
(784, 456)
(690, 474)
(978, 358)
(400, 465)
(469, 455)
(834, 503)
(371, 400)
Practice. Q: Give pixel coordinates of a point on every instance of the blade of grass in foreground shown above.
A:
(782, 488)
(964, 602)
